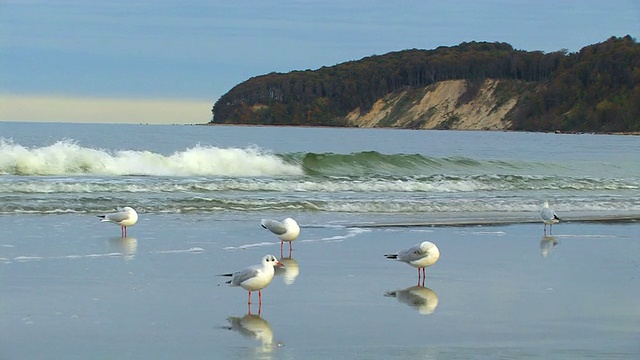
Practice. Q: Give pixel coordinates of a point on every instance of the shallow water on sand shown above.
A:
(71, 288)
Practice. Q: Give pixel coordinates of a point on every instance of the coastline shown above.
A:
(633, 133)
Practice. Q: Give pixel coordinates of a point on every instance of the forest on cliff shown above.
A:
(593, 90)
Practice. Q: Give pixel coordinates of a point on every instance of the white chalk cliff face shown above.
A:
(439, 106)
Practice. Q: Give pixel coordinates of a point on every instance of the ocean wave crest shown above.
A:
(372, 163)
(66, 157)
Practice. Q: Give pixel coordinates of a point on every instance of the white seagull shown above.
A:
(548, 216)
(419, 256)
(255, 277)
(125, 217)
(287, 230)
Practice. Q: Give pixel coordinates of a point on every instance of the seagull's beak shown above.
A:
(280, 264)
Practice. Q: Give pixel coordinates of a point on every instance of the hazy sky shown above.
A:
(166, 61)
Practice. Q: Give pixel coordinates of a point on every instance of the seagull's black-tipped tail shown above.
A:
(555, 217)
(264, 227)
(101, 216)
(228, 275)
(390, 294)
(391, 256)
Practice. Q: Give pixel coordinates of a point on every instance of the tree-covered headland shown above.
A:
(592, 90)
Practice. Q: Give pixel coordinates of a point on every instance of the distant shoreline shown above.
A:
(633, 133)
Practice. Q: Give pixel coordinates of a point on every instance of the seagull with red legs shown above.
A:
(125, 217)
(286, 230)
(419, 256)
(256, 277)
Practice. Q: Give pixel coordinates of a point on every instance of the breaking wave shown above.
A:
(68, 158)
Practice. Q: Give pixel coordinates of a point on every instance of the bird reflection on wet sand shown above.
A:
(127, 246)
(547, 244)
(254, 327)
(289, 271)
(421, 298)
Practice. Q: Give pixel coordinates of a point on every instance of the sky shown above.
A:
(168, 61)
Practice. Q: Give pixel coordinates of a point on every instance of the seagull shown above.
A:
(419, 256)
(255, 277)
(548, 216)
(287, 230)
(125, 217)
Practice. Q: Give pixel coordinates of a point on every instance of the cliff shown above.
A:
(444, 105)
(475, 85)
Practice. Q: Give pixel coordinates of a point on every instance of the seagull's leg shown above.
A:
(260, 297)
(249, 302)
(550, 229)
(290, 251)
(281, 247)
(260, 309)
(545, 228)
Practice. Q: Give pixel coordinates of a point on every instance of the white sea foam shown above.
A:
(113, 254)
(193, 250)
(350, 232)
(247, 246)
(590, 236)
(28, 258)
(491, 233)
(66, 157)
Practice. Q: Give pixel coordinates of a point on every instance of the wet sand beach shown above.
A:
(73, 289)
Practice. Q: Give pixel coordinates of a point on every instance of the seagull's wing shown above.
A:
(274, 226)
(244, 275)
(117, 217)
(546, 214)
(411, 254)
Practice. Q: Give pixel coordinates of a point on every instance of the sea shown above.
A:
(364, 175)
(505, 286)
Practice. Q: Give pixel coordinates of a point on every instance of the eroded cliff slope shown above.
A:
(445, 105)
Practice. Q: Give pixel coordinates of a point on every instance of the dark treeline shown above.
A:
(592, 90)
(595, 90)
